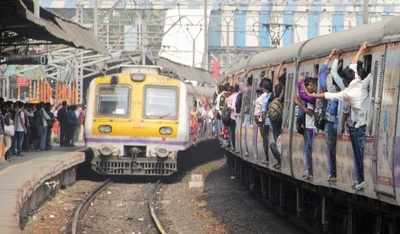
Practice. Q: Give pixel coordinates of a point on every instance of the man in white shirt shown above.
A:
(356, 94)
(20, 128)
(260, 113)
(231, 101)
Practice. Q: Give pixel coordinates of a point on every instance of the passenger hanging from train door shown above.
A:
(245, 109)
(260, 113)
(219, 105)
(331, 82)
(307, 105)
(356, 94)
(226, 116)
(275, 111)
(231, 103)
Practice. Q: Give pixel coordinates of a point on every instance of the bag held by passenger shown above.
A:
(275, 110)
(226, 115)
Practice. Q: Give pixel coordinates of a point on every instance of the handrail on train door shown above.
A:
(292, 106)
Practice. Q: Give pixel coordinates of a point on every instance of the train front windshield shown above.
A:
(113, 100)
(161, 102)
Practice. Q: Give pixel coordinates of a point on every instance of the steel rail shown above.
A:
(85, 203)
(154, 216)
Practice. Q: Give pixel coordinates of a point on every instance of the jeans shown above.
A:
(264, 131)
(232, 132)
(308, 147)
(43, 137)
(331, 137)
(18, 142)
(246, 120)
(357, 137)
(276, 128)
(48, 140)
(276, 131)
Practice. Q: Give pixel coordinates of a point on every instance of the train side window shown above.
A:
(375, 93)
(316, 70)
(288, 98)
(368, 63)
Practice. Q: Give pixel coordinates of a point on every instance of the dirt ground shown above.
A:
(121, 208)
(223, 206)
(53, 216)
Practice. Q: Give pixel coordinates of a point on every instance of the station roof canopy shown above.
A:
(187, 72)
(18, 25)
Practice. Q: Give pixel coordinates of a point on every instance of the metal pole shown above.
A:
(95, 12)
(36, 8)
(365, 12)
(141, 41)
(194, 52)
(205, 53)
(228, 44)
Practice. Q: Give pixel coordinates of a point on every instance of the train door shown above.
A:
(244, 123)
(258, 138)
(284, 138)
(386, 104)
(252, 129)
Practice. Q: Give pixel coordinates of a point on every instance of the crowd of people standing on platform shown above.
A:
(26, 127)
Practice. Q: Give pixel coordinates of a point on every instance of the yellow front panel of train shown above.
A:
(142, 109)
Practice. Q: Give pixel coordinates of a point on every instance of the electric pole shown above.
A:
(205, 53)
(95, 19)
(365, 12)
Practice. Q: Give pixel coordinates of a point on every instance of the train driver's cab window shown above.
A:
(113, 100)
(161, 102)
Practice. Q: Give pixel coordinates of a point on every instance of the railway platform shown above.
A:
(25, 182)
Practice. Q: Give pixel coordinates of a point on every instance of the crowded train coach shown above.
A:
(329, 114)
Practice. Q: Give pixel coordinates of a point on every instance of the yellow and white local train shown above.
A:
(138, 120)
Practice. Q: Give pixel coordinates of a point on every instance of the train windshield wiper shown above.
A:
(165, 115)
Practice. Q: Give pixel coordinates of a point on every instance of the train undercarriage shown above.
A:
(316, 209)
(149, 166)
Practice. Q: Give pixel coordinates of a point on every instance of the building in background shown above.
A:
(236, 28)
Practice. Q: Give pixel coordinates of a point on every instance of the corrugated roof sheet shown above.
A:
(17, 16)
(187, 72)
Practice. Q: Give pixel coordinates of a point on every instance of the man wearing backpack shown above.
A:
(260, 113)
(231, 103)
(275, 111)
(225, 117)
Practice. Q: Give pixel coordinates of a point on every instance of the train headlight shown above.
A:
(105, 128)
(105, 150)
(137, 77)
(162, 152)
(165, 131)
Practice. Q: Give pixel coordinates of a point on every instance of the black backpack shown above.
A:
(226, 115)
(238, 103)
(300, 121)
(320, 118)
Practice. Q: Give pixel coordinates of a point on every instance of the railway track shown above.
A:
(131, 195)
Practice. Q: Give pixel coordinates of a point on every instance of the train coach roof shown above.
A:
(201, 91)
(243, 63)
(350, 39)
(386, 30)
(275, 56)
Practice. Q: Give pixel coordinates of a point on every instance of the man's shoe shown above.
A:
(332, 179)
(360, 186)
(277, 165)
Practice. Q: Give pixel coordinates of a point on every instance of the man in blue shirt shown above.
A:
(331, 82)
